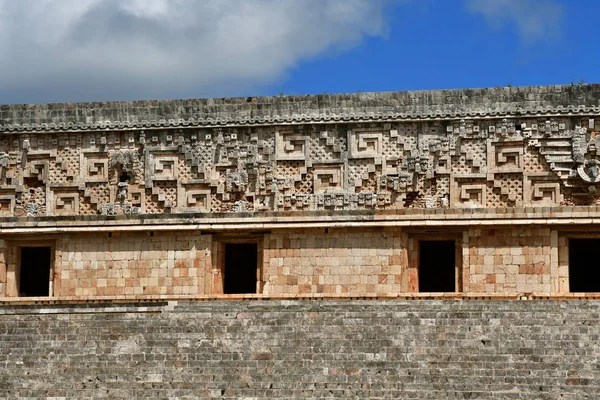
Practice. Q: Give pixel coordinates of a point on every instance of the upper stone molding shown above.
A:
(356, 107)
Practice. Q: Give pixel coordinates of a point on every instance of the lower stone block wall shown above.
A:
(132, 264)
(300, 261)
(514, 260)
(336, 261)
(563, 264)
(302, 350)
(2, 267)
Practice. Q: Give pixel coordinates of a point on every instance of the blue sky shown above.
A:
(441, 45)
(99, 50)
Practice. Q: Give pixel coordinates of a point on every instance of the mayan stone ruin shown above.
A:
(406, 244)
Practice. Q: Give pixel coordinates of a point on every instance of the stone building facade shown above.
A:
(489, 192)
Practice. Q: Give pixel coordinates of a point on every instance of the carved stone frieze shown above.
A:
(505, 161)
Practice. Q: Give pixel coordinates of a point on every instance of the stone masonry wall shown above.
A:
(89, 265)
(339, 261)
(3, 267)
(514, 260)
(132, 264)
(296, 261)
(302, 350)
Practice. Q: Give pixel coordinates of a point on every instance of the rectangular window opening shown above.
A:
(34, 271)
(241, 268)
(584, 274)
(437, 266)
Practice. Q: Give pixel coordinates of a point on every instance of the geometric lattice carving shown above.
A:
(291, 146)
(194, 198)
(136, 197)
(505, 157)
(471, 157)
(94, 167)
(365, 144)
(468, 192)
(37, 169)
(64, 201)
(546, 192)
(161, 165)
(347, 165)
(164, 168)
(328, 178)
(506, 190)
(543, 190)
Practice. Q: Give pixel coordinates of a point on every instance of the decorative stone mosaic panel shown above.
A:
(481, 163)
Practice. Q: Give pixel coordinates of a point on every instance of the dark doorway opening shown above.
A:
(437, 269)
(240, 268)
(584, 272)
(34, 277)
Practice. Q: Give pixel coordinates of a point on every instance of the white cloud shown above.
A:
(63, 50)
(536, 20)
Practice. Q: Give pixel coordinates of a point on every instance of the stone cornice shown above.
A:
(566, 217)
(279, 110)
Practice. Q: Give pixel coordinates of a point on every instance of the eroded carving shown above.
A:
(485, 162)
